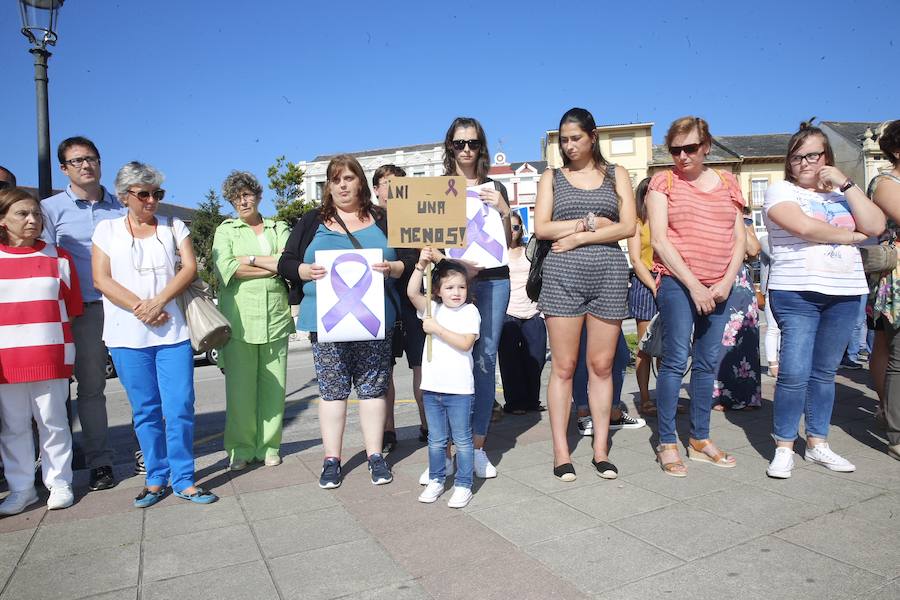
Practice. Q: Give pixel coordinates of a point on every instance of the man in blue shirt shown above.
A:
(69, 221)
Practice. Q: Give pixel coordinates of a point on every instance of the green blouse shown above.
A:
(257, 309)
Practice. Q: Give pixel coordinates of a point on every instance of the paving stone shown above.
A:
(29, 519)
(95, 504)
(12, 545)
(255, 478)
(890, 591)
(519, 457)
(613, 500)
(601, 558)
(701, 479)
(198, 551)
(123, 594)
(283, 501)
(405, 590)
(77, 576)
(762, 511)
(307, 530)
(431, 547)
(883, 509)
(249, 581)
(862, 543)
(177, 519)
(534, 520)
(499, 491)
(766, 568)
(523, 578)
(52, 542)
(399, 511)
(627, 460)
(686, 532)
(881, 472)
(811, 485)
(311, 575)
(541, 478)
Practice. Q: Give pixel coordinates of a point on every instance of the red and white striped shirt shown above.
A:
(39, 296)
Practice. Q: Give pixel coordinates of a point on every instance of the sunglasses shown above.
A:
(4, 185)
(517, 228)
(144, 195)
(474, 145)
(687, 149)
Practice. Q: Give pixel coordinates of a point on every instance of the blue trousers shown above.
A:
(159, 382)
(449, 417)
(580, 378)
(491, 298)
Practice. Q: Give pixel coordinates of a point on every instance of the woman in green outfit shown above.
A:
(255, 301)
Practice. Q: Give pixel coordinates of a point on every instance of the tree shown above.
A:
(286, 179)
(207, 217)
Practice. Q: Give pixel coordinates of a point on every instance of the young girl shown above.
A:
(448, 385)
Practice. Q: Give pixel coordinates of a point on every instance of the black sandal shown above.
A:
(565, 472)
(605, 469)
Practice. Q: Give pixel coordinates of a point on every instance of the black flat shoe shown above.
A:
(565, 472)
(605, 469)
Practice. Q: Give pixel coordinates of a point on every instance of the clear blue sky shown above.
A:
(200, 88)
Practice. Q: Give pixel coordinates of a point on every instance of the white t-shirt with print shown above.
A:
(800, 265)
(450, 370)
(143, 266)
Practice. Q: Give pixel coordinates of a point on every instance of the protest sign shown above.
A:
(350, 298)
(426, 211)
(485, 236)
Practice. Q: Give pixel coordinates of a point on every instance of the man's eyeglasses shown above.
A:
(474, 145)
(77, 162)
(144, 195)
(809, 157)
(687, 149)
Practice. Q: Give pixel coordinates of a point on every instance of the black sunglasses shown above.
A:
(459, 145)
(516, 227)
(4, 185)
(144, 195)
(687, 149)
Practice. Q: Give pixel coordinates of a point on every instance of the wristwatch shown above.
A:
(847, 185)
(251, 260)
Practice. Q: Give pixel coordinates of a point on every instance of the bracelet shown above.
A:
(590, 222)
(420, 268)
(847, 185)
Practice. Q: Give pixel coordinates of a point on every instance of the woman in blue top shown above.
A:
(346, 220)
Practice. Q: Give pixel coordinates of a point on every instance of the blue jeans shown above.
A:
(679, 316)
(449, 416)
(491, 298)
(580, 377)
(859, 338)
(815, 329)
(159, 382)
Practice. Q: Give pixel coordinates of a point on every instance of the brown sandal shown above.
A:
(647, 409)
(675, 468)
(719, 459)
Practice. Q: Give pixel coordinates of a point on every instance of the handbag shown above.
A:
(881, 258)
(651, 343)
(536, 251)
(207, 325)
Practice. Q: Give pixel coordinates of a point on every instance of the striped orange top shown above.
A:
(701, 224)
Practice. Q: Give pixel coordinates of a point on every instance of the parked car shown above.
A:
(211, 356)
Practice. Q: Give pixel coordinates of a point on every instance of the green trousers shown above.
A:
(254, 398)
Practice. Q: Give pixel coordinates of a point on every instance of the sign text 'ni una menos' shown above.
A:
(426, 211)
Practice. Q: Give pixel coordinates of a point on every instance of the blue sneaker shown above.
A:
(146, 498)
(381, 472)
(201, 496)
(331, 474)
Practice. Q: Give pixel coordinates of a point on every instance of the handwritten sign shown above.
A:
(426, 211)
(485, 235)
(350, 298)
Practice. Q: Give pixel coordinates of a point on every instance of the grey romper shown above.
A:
(590, 279)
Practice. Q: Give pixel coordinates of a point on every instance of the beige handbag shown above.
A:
(209, 328)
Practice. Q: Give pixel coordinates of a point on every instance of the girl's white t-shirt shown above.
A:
(801, 265)
(450, 370)
(143, 266)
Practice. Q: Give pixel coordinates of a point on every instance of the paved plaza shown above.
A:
(719, 533)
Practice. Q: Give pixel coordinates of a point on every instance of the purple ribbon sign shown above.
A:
(475, 233)
(350, 297)
(451, 187)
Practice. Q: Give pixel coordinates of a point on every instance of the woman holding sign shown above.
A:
(585, 208)
(466, 154)
(347, 220)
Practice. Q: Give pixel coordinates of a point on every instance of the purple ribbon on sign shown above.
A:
(451, 187)
(475, 234)
(350, 298)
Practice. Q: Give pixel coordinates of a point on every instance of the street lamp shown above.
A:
(39, 26)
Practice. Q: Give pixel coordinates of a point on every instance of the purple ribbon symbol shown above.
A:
(350, 298)
(451, 187)
(475, 234)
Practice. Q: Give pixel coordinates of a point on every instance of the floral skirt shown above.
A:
(737, 384)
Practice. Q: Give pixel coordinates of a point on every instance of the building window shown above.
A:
(320, 189)
(758, 191)
(418, 173)
(623, 144)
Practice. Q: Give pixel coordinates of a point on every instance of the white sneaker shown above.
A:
(449, 470)
(782, 464)
(823, 455)
(61, 496)
(586, 425)
(460, 498)
(432, 491)
(483, 467)
(16, 502)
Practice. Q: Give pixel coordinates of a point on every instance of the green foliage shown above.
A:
(286, 179)
(207, 217)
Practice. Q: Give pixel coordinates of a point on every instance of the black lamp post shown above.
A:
(39, 26)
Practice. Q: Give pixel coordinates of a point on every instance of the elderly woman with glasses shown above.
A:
(133, 262)
(255, 300)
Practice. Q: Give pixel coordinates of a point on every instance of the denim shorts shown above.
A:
(363, 365)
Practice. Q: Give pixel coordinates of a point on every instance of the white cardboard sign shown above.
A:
(485, 237)
(350, 298)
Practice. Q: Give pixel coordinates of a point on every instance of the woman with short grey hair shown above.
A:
(146, 332)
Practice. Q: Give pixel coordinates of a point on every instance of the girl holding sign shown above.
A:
(466, 154)
(584, 208)
(347, 220)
